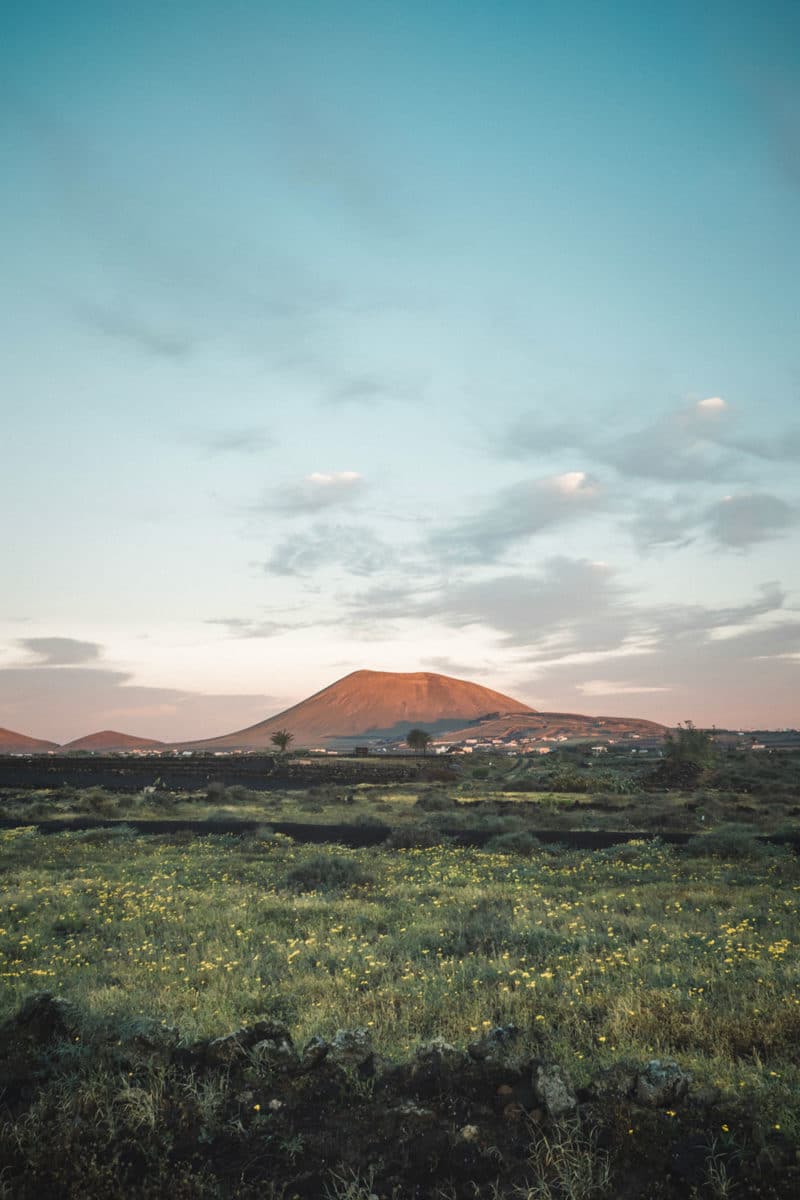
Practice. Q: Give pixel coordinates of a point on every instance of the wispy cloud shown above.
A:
(611, 687)
(59, 651)
(696, 442)
(319, 491)
(519, 512)
(353, 548)
(243, 627)
(63, 704)
(247, 440)
(150, 336)
(735, 522)
(744, 520)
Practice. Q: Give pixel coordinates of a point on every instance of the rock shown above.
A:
(614, 1083)
(687, 1160)
(553, 1089)
(155, 1041)
(662, 1083)
(274, 1054)
(409, 1109)
(272, 1040)
(352, 1048)
(315, 1051)
(42, 1018)
(439, 1055)
(494, 1045)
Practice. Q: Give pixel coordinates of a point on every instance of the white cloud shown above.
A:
(747, 519)
(712, 404)
(334, 478)
(317, 491)
(609, 687)
(519, 512)
(571, 483)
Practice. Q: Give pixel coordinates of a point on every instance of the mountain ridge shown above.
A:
(111, 739)
(12, 742)
(371, 704)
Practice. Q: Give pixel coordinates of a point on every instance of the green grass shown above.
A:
(466, 804)
(635, 952)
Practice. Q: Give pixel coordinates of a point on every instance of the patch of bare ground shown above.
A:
(94, 1109)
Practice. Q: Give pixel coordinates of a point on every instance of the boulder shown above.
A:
(552, 1089)
(352, 1049)
(614, 1083)
(438, 1056)
(271, 1039)
(494, 1046)
(314, 1052)
(41, 1019)
(661, 1083)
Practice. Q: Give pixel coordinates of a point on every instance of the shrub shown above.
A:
(126, 801)
(435, 802)
(97, 802)
(418, 837)
(238, 794)
(519, 841)
(438, 775)
(327, 873)
(729, 841)
(569, 780)
(103, 837)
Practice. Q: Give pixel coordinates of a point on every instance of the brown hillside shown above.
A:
(552, 724)
(372, 703)
(109, 739)
(20, 743)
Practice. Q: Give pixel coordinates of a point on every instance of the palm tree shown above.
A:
(418, 740)
(282, 739)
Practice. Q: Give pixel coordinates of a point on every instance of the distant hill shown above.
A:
(373, 704)
(553, 724)
(109, 739)
(20, 743)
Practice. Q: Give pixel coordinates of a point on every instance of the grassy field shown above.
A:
(634, 952)
(468, 804)
(597, 959)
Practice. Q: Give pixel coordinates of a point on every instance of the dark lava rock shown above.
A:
(314, 1052)
(552, 1089)
(353, 1049)
(614, 1083)
(41, 1019)
(496, 1045)
(270, 1041)
(662, 1083)
(688, 1159)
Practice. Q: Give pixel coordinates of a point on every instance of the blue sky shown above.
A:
(448, 337)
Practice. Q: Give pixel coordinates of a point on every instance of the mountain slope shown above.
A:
(109, 739)
(553, 724)
(20, 743)
(373, 703)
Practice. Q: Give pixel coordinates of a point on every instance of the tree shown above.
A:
(688, 744)
(418, 740)
(282, 739)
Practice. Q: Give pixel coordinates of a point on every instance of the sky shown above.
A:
(457, 337)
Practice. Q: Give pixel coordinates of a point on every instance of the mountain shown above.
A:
(551, 725)
(373, 704)
(20, 743)
(109, 739)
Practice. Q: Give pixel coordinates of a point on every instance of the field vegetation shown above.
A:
(590, 959)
